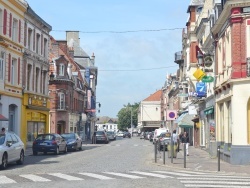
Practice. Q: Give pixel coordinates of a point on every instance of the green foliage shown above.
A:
(124, 116)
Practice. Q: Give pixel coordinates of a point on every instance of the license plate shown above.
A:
(43, 144)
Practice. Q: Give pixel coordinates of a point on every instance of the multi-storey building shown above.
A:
(11, 63)
(91, 72)
(231, 33)
(35, 104)
(67, 89)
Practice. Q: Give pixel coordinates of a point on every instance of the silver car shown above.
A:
(111, 135)
(11, 149)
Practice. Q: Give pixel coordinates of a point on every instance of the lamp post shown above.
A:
(131, 123)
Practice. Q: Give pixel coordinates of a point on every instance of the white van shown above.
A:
(157, 133)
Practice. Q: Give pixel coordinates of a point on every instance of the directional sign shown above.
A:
(201, 89)
(171, 114)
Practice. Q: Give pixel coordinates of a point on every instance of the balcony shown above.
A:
(179, 57)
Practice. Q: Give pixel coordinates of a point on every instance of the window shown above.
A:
(61, 70)
(13, 71)
(29, 39)
(2, 66)
(37, 79)
(38, 43)
(45, 53)
(15, 30)
(29, 77)
(61, 101)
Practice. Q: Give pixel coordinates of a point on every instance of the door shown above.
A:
(10, 150)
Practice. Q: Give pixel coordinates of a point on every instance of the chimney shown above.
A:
(93, 58)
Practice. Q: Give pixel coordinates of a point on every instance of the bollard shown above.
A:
(218, 154)
(164, 149)
(155, 152)
(184, 154)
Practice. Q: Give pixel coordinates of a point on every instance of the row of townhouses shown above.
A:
(210, 91)
(46, 85)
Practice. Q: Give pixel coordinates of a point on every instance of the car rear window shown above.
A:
(45, 137)
(68, 136)
(99, 133)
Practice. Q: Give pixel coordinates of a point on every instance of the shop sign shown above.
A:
(199, 74)
(207, 79)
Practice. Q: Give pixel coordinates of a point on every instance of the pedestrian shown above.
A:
(3, 131)
(185, 140)
(175, 140)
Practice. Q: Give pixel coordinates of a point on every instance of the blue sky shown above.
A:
(131, 65)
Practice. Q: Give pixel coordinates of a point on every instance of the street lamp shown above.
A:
(131, 123)
(200, 58)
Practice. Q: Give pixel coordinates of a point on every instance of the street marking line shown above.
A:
(124, 175)
(173, 173)
(218, 186)
(117, 145)
(150, 174)
(65, 176)
(34, 178)
(101, 177)
(213, 178)
(136, 145)
(4, 180)
(191, 172)
(216, 182)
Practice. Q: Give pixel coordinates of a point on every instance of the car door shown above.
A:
(10, 149)
(17, 147)
(78, 141)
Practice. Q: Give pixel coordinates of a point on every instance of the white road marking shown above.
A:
(4, 180)
(213, 178)
(151, 174)
(215, 182)
(124, 175)
(101, 177)
(217, 186)
(173, 173)
(34, 178)
(65, 176)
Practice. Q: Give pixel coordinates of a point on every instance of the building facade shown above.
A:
(35, 104)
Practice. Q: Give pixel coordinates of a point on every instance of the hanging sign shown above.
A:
(199, 74)
(207, 79)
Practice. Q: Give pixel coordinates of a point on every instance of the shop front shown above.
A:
(35, 118)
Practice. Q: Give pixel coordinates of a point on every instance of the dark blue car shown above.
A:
(74, 142)
(49, 143)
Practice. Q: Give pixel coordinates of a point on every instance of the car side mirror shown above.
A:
(9, 144)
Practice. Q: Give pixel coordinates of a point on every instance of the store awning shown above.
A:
(209, 110)
(2, 118)
(186, 121)
(180, 118)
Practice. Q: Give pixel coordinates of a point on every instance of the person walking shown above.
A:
(3, 130)
(185, 140)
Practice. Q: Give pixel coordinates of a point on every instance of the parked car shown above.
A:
(11, 149)
(120, 134)
(126, 134)
(49, 143)
(74, 142)
(164, 137)
(157, 133)
(111, 135)
(101, 136)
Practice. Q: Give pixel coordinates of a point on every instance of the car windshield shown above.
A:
(109, 133)
(68, 136)
(2, 138)
(45, 137)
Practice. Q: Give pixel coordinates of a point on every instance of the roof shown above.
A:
(2, 118)
(154, 97)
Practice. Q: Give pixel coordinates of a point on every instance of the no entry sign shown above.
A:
(171, 114)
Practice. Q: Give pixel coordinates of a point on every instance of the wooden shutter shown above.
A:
(10, 26)
(18, 70)
(5, 22)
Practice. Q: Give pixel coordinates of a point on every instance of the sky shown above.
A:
(134, 42)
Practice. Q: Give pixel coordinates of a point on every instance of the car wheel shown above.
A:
(66, 149)
(34, 152)
(21, 159)
(4, 161)
(57, 151)
(80, 148)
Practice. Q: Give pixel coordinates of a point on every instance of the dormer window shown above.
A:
(61, 69)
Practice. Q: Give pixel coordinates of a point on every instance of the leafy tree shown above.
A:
(124, 116)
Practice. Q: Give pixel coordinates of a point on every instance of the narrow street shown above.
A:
(121, 163)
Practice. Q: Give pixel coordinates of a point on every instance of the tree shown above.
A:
(124, 116)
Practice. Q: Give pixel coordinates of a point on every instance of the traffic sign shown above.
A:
(171, 114)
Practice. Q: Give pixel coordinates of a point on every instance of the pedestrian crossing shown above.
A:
(187, 178)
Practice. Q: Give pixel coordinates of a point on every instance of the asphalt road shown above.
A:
(122, 163)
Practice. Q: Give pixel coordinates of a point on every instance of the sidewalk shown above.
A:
(200, 160)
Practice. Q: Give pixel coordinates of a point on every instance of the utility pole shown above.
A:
(131, 123)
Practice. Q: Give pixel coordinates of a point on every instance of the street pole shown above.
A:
(131, 123)
(172, 146)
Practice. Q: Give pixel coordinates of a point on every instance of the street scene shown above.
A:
(125, 93)
(125, 162)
